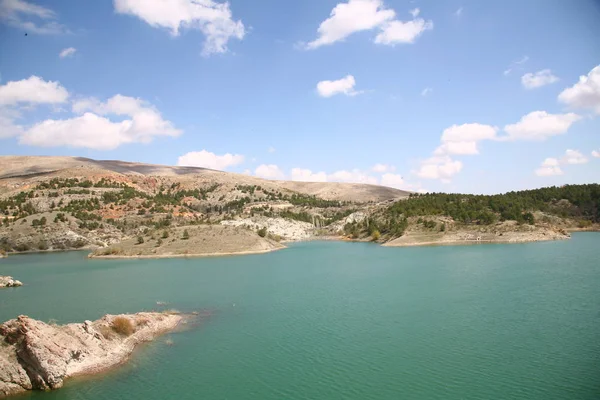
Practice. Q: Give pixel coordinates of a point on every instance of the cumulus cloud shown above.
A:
(439, 167)
(364, 15)
(573, 157)
(341, 86)
(538, 79)
(415, 12)
(25, 94)
(306, 175)
(269, 171)
(68, 52)
(206, 159)
(550, 167)
(540, 125)
(584, 94)
(213, 19)
(94, 130)
(462, 139)
(33, 90)
(392, 180)
(396, 32)
(18, 13)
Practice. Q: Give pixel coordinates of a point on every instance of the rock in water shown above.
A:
(8, 281)
(35, 355)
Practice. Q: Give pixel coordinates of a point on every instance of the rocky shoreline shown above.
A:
(9, 281)
(38, 356)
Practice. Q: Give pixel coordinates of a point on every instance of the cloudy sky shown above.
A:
(459, 95)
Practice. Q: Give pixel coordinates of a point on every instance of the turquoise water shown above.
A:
(327, 320)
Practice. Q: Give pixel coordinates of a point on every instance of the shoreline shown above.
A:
(472, 242)
(197, 255)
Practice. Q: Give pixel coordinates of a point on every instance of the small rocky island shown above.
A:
(9, 281)
(38, 356)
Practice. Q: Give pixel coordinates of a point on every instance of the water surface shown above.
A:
(329, 320)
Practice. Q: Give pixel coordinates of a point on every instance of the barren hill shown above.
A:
(31, 167)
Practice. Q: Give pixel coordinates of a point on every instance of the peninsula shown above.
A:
(38, 356)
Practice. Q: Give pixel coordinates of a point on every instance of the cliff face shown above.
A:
(39, 356)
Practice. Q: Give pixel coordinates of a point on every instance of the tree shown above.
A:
(140, 240)
(443, 228)
(186, 235)
(376, 235)
(262, 232)
(165, 234)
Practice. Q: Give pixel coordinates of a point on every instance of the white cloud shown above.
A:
(538, 79)
(306, 175)
(540, 125)
(95, 131)
(415, 12)
(573, 157)
(364, 15)
(462, 139)
(68, 52)
(341, 86)
(381, 168)
(457, 148)
(271, 149)
(8, 127)
(439, 167)
(550, 167)
(17, 13)
(396, 31)
(33, 90)
(353, 176)
(392, 180)
(213, 19)
(426, 91)
(595, 153)
(206, 159)
(269, 171)
(516, 65)
(351, 17)
(585, 93)
(468, 132)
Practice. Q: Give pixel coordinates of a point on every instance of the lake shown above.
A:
(332, 320)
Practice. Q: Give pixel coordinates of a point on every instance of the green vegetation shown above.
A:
(140, 239)
(186, 235)
(262, 232)
(576, 201)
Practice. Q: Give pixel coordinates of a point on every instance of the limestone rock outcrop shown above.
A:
(38, 356)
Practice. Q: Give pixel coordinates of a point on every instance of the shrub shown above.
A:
(122, 326)
(262, 232)
(22, 247)
(186, 235)
(43, 245)
(140, 240)
(165, 234)
(376, 235)
(443, 228)
(158, 242)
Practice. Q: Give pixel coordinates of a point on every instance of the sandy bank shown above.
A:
(157, 256)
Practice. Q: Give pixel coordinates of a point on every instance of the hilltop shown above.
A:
(54, 203)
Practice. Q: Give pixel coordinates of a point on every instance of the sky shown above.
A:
(441, 96)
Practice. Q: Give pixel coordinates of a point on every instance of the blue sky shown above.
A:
(468, 96)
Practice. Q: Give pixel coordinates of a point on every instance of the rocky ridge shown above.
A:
(38, 356)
